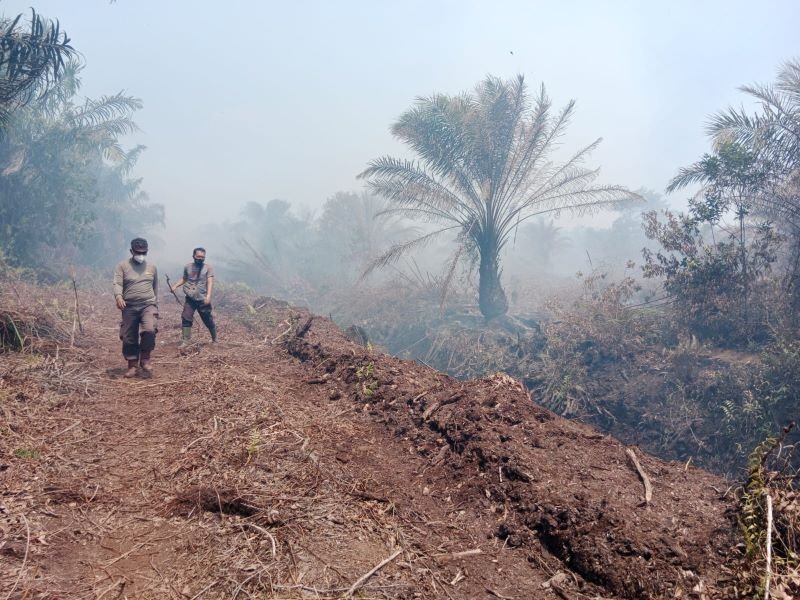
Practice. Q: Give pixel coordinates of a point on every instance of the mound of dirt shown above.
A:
(288, 461)
(554, 486)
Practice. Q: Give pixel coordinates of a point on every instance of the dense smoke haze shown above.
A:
(424, 236)
(246, 102)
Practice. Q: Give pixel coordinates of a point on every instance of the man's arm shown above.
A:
(119, 278)
(210, 287)
(184, 279)
(210, 284)
(155, 282)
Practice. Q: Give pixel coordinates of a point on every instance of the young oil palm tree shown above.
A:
(31, 60)
(771, 139)
(485, 164)
(53, 153)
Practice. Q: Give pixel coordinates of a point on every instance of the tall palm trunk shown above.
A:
(491, 297)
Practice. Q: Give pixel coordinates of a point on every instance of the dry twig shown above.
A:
(25, 558)
(365, 577)
(769, 547)
(648, 488)
(439, 404)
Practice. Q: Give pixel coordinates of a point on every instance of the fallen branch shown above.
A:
(303, 329)
(648, 488)
(263, 531)
(497, 594)
(440, 403)
(363, 579)
(367, 496)
(136, 547)
(204, 590)
(288, 329)
(77, 311)
(462, 554)
(25, 558)
(111, 588)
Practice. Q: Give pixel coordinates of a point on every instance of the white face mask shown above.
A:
(139, 258)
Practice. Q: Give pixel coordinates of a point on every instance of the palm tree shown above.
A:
(52, 154)
(545, 239)
(357, 228)
(31, 60)
(774, 134)
(484, 166)
(771, 141)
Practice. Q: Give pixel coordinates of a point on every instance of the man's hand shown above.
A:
(207, 299)
(120, 303)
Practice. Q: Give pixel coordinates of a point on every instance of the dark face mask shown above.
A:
(199, 261)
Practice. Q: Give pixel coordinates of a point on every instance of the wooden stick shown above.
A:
(263, 531)
(204, 590)
(25, 558)
(77, 310)
(363, 579)
(439, 404)
(462, 554)
(648, 488)
(172, 289)
(769, 546)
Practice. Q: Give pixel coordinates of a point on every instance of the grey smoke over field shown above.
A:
(245, 102)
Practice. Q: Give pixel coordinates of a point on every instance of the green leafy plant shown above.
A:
(26, 453)
(770, 480)
(367, 381)
(253, 444)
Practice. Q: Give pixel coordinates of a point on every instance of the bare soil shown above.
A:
(287, 461)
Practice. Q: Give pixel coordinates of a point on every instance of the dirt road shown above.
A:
(287, 462)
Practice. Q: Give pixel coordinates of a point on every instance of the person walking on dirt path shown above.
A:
(136, 295)
(197, 283)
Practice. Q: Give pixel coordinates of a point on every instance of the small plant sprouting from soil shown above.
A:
(367, 382)
(26, 453)
(253, 444)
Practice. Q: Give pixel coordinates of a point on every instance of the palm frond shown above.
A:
(110, 112)
(450, 273)
(406, 182)
(31, 60)
(691, 175)
(397, 251)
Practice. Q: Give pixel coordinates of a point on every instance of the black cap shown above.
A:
(139, 245)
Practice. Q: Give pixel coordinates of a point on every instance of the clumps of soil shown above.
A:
(226, 502)
(551, 484)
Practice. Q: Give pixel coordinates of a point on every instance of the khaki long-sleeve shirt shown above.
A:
(136, 283)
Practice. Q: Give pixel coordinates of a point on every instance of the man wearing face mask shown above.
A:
(197, 282)
(136, 295)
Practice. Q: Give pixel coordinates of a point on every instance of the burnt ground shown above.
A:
(288, 461)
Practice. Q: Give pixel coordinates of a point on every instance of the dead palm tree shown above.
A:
(484, 166)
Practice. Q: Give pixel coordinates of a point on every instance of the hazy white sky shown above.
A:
(256, 100)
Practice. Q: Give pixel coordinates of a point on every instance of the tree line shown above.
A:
(484, 169)
(67, 193)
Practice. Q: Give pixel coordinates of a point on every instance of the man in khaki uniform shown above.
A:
(136, 295)
(197, 283)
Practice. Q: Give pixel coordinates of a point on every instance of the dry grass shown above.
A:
(231, 492)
